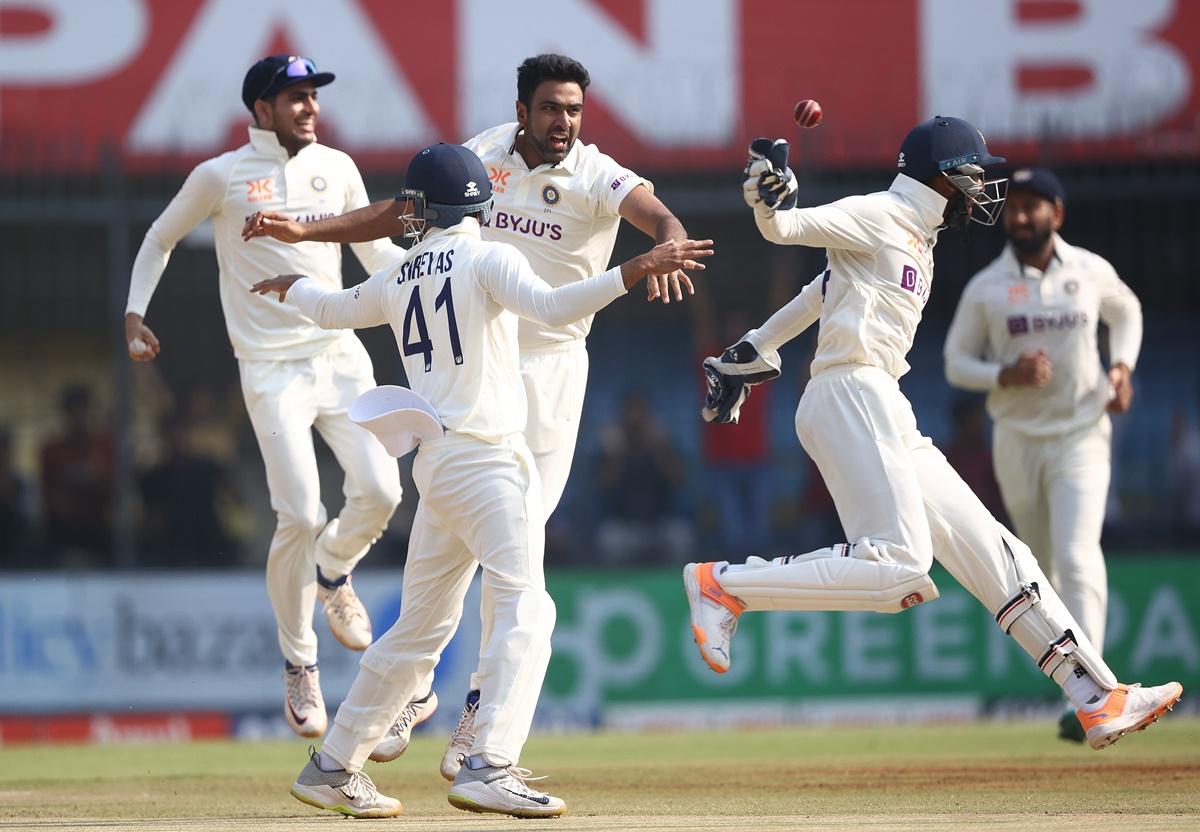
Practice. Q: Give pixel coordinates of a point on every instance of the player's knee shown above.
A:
(306, 523)
(381, 496)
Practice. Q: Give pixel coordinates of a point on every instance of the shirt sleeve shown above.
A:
(613, 183)
(374, 254)
(794, 317)
(965, 345)
(508, 278)
(1122, 311)
(199, 198)
(841, 225)
(358, 307)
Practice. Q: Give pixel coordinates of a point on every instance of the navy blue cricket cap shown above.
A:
(1039, 180)
(277, 72)
(449, 174)
(941, 144)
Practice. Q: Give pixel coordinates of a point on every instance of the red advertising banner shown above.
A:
(677, 84)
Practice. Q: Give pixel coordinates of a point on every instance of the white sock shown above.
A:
(327, 763)
(1082, 690)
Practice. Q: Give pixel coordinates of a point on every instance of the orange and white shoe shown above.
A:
(1128, 708)
(714, 614)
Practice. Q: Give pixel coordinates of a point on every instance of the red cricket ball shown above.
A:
(807, 113)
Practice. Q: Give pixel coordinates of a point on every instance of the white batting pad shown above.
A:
(399, 418)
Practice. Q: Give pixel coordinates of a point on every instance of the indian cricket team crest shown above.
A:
(318, 183)
(1071, 287)
(550, 195)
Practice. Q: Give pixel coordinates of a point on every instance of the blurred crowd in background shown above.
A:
(651, 483)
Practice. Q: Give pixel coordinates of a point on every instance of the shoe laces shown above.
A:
(344, 603)
(360, 785)
(304, 687)
(464, 731)
(518, 780)
(404, 722)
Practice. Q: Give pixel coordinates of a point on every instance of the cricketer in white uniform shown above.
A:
(1025, 333)
(295, 376)
(900, 502)
(453, 304)
(560, 202)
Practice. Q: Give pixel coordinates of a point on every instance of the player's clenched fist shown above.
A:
(1030, 370)
(140, 339)
(272, 224)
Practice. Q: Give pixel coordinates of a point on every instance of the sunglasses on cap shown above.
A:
(297, 66)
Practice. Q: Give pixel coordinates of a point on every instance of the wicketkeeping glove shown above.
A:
(768, 184)
(730, 377)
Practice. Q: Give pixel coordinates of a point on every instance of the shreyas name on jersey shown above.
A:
(426, 263)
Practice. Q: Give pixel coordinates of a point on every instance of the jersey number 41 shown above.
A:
(415, 316)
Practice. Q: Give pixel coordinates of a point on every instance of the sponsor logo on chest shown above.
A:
(260, 190)
(1046, 322)
(525, 226)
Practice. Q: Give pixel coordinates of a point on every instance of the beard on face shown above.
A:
(1033, 243)
(548, 154)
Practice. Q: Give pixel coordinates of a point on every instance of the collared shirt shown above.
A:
(879, 270)
(453, 304)
(564, 218)
(317, 182)
(1009, 308)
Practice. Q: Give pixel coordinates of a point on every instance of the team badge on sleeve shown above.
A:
(550, 195)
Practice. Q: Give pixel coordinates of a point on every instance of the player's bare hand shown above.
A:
(280, 283)
(666, 258)
(663, 285)
(1121, 379)
(1032, 369)
(140, 339)
(272, 224)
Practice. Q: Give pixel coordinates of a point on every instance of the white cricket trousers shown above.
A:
(285, 401)
(481, 503)
(555, 379)
(901, 504)
(1055, 489)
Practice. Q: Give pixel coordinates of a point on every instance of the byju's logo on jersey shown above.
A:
(258, 190)
(472, 189)
(550, 195)
(1018, 325)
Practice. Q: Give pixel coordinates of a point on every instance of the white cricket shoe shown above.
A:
(714, 614)
(1126, 709)
(462, 739)
(502, 791)
(348, 792)
(346, 615)
(303, 704)
(395, 741)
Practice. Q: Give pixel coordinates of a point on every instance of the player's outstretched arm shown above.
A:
(358, 307)
(506, 275)
(646, 212)
(371, 222)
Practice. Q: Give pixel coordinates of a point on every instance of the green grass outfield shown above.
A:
(984, 776)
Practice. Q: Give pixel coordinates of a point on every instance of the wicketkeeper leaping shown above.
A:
(900, 502)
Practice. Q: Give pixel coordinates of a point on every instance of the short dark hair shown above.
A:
(533, 71)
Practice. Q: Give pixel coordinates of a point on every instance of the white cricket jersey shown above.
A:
(879, 257)
(1008, 309)
(564, 218)
(453, 305)
(317, 182)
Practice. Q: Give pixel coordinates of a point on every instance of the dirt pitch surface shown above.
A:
(988, 776)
